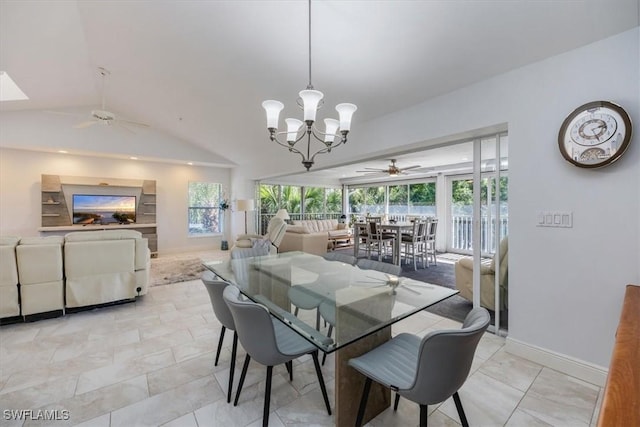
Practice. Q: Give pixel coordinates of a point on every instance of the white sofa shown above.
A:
(105, 266)
(312, 236)
(40, 273)
(9, 300)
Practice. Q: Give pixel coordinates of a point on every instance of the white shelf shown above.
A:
(50, 203)
(45, 214)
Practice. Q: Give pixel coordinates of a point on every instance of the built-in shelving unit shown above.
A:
(57, 213)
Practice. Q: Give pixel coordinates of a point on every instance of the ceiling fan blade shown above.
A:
(119, 125)
(85, 124)
(411, 167)
(372, 171)
(130, 122)
(64, 113)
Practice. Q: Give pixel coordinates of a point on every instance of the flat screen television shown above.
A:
(102, 209)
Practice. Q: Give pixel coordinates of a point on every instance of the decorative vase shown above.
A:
(224, 245)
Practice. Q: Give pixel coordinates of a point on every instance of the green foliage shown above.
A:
(204, 194)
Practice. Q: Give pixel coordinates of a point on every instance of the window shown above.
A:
(205, 213)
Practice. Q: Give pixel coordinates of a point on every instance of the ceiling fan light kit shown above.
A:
(310, 100)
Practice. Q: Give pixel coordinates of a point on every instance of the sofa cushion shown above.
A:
(298, 229)
(317, 225)
(49, 240)
(39, 263)
(85, 236)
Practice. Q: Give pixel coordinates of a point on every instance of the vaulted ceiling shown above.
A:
(199, 70)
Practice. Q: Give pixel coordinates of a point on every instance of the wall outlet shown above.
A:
(558, 219)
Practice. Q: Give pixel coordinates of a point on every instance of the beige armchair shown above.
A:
(275, 232)
(464, 278)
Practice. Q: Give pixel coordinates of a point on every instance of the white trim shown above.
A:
(577, 368)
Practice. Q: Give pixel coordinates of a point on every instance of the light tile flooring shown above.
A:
(150, 363)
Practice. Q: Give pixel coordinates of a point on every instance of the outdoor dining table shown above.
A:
(396, 227)
(365, 304)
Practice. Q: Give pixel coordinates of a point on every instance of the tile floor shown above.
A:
(150, 363)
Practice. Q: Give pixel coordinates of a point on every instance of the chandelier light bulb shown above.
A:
(346, 111)
(330, 129)
(273, 109)
(310, 100)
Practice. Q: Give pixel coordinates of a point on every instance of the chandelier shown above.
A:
(310, 101)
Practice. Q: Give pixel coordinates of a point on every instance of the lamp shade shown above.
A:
(245, 205)
(273, 109)
(293, 126)
(345, 111)
(330, 129)
(282, 214)
(310, 100)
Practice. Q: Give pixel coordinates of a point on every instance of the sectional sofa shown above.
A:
(44, 274)
(312, 235)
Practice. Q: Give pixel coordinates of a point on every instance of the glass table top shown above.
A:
(355, 302)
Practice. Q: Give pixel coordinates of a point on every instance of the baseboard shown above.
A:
(580, 369)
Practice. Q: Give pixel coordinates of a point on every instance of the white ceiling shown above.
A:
(198, 70)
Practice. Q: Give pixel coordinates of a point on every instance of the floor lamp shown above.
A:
(245, 205)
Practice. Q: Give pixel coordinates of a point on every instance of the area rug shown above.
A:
(169, 269)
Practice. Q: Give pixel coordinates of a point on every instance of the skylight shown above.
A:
(9, 90)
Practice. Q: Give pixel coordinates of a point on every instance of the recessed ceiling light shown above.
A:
(9, 90)
(464, 159)
(133, 158)
(190, 163)
(62, 151)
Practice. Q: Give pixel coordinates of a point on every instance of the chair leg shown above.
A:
(234, 350)
(363, 402)
(423, 415)
(267, 397)
(219, 345)
(321, 381)
(317, 319)
(242, 375)
(295, 312)
(324, 358)
(463, 417)
(395, 404)
(289, 366)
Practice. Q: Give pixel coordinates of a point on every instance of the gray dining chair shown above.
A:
(384, 267)
(426, 371)
(268, 341)
(215, 288)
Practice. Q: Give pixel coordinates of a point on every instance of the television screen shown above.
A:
(99, 209)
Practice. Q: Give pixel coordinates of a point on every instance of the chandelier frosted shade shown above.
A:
(293, 126)
(346, 110)
(310, 100)
(330, 128)
(273, 109)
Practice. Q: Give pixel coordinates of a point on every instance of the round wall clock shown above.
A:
(595, 134)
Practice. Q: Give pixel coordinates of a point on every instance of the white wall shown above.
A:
(20, 199)
(566, 285)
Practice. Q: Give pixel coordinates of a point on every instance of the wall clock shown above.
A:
(595, 134)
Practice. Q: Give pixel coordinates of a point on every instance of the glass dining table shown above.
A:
(360, 305)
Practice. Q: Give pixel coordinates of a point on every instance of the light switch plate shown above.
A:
(558, 219)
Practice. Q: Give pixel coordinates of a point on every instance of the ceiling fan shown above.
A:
(103, 115)
(391, 170)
